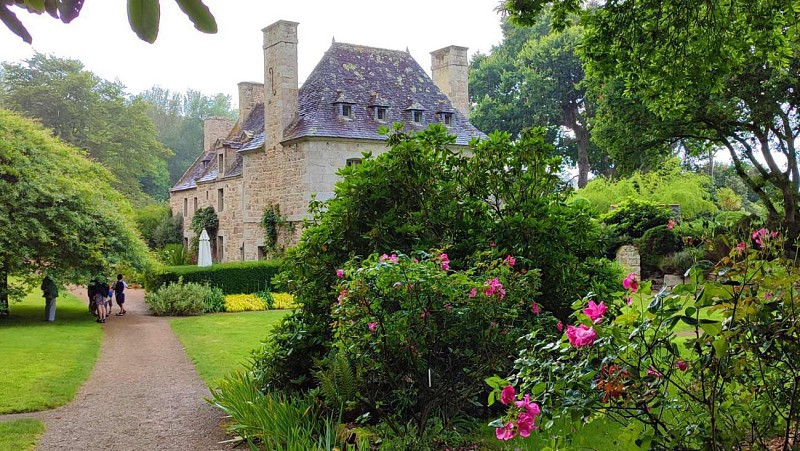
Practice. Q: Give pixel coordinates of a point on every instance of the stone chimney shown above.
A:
(250, 93)
(280, 79)
(449, 67)
(215, 128)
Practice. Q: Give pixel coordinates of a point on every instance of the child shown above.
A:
(119, 290)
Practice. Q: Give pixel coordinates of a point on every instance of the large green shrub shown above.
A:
(168, 231)
(506, 197)
(204, 218)
(148, 219)
(423, 339)
(231, 278)
(178, 299)
(633, 217)
(655, 244)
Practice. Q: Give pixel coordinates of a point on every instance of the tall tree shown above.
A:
(93, 114)
(54, 212)
(723, 71)
(179, 119)
(535, 78)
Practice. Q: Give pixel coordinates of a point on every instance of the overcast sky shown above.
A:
(183, 58)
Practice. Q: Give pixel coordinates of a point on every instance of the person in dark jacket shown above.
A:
(50, 293)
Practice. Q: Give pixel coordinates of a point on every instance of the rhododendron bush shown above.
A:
(713, 364)
(424, 337)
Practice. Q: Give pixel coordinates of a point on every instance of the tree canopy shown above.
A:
(58, 212)
(93, 114)
(144, 16)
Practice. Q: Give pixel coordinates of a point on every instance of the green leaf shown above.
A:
(711, 327)
(720, 346)
(199, 14)
(36, 5)
(144, 17)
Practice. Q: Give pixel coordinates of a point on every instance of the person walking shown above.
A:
(50, 293)
(100, 292)
(119, 291)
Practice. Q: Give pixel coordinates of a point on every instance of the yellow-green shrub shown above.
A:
(282, 301)
(244, 303)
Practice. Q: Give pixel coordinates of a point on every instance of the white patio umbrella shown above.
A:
(204, 251)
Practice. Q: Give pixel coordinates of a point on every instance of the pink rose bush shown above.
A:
(631, 282)
(595, 311)
(581, 336)
(494, 287)
(521, 415)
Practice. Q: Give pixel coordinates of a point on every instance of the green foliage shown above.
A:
(632, 218)
(273, 420)
(178, 299)
(727, 383)
(93, 114)
(169, 231)
(339, 383)
(681, 261)
(58, 213)
(422, 339)
(231, 278)
(507, 197)
(143, 16)
(656, 243)
(179, 117)
(667, 185)
(272, 222)
(174, 255)
(728, 200)
(214, 301)
(730, 220)
(148, 218)
(204, 218)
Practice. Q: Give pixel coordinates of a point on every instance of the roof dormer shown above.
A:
(344, 106)
(379, 107)
(415, 111)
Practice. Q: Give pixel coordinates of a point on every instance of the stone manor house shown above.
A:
(289, 143)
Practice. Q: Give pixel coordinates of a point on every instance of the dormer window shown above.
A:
(446, 118)
(380, 113)
(346, 110)
(344, 105)
(416, 116)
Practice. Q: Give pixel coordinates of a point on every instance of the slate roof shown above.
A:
(361, 75)
(246, 136)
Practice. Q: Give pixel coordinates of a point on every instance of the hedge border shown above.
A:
(231, 278)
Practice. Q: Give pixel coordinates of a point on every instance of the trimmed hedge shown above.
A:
(231, 278)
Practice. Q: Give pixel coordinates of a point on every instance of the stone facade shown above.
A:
(289, 143)
(628, 257)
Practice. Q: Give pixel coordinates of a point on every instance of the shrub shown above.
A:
(168, 231)
(148, 218)
(730, 220)
(632, 218)
(655, 244)
(178, 299)
(728, 200)
(282, 301)
(174, 255)
(244, 303)
(215, 301)
(731, 384)
(266, 296)
(680, 262)
(422, 339)
(231, 278)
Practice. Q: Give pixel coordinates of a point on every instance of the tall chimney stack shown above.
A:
(250, 93)
(280, 79)
(450, 68)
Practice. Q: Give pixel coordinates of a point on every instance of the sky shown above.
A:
(183, 58)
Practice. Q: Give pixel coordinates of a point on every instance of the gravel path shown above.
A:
(143, 394)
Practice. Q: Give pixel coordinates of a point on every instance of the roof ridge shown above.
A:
(347, 44)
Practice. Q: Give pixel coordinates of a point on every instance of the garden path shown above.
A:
(143, 393)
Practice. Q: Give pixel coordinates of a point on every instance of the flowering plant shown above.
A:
(708, 365)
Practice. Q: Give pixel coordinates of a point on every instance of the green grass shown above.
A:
(221, 342)
(20, 435)
(601, 434)
(45, 363)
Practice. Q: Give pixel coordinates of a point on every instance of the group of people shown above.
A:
(100, 296)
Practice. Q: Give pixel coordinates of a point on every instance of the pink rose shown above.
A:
(372, 327)
(383, 258)
(681, 365)
(581, 336)
(507, 395)
(445, 261)
(473, 292)
(506, 432)
(535, 308)
(671, 224)
(494, 287)
(595, 311)
(654, 372)
(340, 273)
(631, 282)
(510, 261)
(560, 326)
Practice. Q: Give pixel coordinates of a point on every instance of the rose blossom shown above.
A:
(560, 326)
(535, 308)
(506, 432)
(507, 395)
(654, 372)
(340, 273)
(445, 261)
(372, 327)
(510, 261)
(494, 286)
(595, 311)
(681, 365)
(581, 336)
(473, 292)
(631, 282)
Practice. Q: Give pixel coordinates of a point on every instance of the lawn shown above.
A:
(45, 363)
(221, 342)
(20, 435)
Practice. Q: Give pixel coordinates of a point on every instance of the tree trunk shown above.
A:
(581, 139)
(3, 291)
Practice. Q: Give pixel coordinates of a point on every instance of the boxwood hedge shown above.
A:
(231, 278)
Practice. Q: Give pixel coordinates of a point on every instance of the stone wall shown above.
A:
(215, 128)
(630, 260)
(250, 93)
